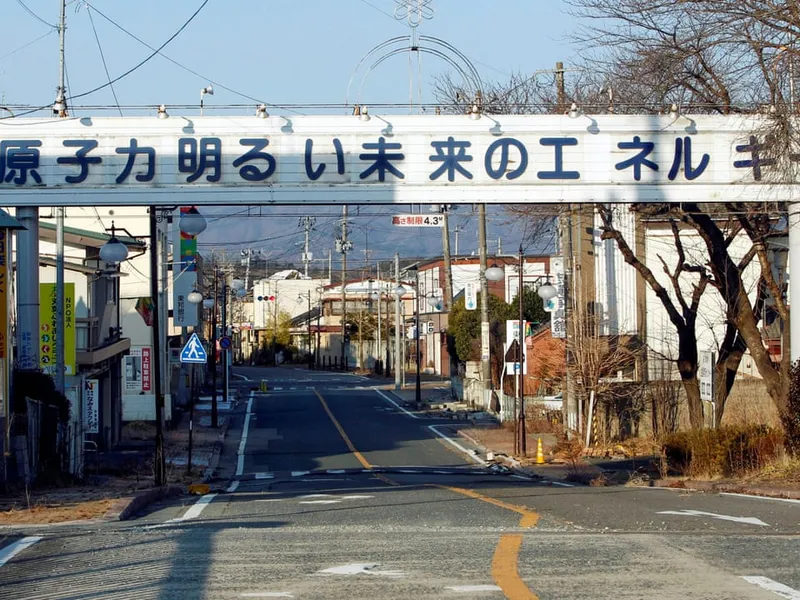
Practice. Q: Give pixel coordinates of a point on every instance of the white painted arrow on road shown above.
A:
(700, 513)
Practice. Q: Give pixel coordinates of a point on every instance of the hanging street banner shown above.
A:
(184, 272)
(48, 328)
(557, 305)
(387, 159)
(418, 220)
(470, 296)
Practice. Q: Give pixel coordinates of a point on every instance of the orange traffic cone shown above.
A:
(539, 452)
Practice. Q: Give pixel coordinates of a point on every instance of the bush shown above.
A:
(726, 452)
(791, 420)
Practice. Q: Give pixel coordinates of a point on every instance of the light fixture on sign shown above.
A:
(574, 111)
(195, 297)
(192, 222)
(113, 251)
(547, 291)
(674, 113)
(364, 114)
(261, 111)
(162, 112)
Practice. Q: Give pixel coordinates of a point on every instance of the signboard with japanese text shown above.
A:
(184, 270)
(133, 371)
(91, 406)
(48, 328)
(706, 376)
(5, 301)
(470, 296)
(147, 369)
(404, 159)
(513, 338)
(557, 306)
(418, 220)
(485, 341)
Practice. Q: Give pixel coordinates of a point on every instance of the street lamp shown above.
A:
(494, 273)
(112, 252)
(192, 222)
(417, 385)
(547, 291)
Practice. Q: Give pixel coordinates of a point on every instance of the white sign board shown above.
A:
(91, 406)
(706, 376)
(391, 159)
(485, 345)
(470, 296)
(512, 333)
(557, 305)
(418, 220)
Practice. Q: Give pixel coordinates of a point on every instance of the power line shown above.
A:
(105, 65)
(35, 16)
(41, 37)
(154, 53)
(176, 63)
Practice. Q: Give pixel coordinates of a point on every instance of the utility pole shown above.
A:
(448, 277)
(307, 223)
(456, 230)
(398, 360)
(523, 445)
(61, 108)
(380, 302)
(160, 468)
(561, 97)
(330, 265)
(344, 246)
(486, 373)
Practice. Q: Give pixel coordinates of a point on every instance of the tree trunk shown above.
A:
(687, 367)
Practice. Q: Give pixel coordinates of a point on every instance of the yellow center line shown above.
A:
(506, 556)
(364, 462)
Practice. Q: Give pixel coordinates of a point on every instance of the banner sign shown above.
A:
(418, 220)
(147, 365)
(558, 304)
(184, 271)
(706, 376)
(48, 328)
(91, 406)
(417, 159)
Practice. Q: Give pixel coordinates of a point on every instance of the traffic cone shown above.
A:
(539, 452)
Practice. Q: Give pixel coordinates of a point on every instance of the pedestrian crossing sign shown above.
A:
(193, 351)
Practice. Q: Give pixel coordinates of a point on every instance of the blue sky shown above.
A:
(277, 51)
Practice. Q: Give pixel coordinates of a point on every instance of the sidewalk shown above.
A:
(118, 494)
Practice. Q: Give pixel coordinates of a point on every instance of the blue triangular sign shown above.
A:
(193, 351)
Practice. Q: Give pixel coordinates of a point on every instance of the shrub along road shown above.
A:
(340, 494)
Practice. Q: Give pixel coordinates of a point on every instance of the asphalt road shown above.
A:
(340, 494)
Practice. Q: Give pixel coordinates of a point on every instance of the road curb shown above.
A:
(125, 508)
(213, 463)
(730, 488)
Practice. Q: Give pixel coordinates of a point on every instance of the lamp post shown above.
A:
(307, 295)
(399, 291)
(112, 252)
(194, 297)
(211, 304)
(493, 273)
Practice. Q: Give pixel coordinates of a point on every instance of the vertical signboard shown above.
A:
(184, 253)
(485, 341)
(470, 296)
(48, 328)
(147, 364)
(706, 376)
(512, 334)
(558, 304)
(91, 406)
(5, 347)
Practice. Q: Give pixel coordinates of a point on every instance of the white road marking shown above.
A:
(267, 595)
(562, 484)
(388, 399)
(324, 479)
(271, 500)
(245, 429)
(232, 487)
(193, 512)
(336, 471)
(9, 552)
(265, 476)
(791, 500)
(356, 497)
(521, 477)
(474, 588)
(784, 591)
(469, 453)
(700, 513)
(317, 496)
(320, 502)
(407, 471)
(360, 569)
(300, 473)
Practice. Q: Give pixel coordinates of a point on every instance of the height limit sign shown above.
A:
(418, 220)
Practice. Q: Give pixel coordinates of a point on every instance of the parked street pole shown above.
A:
(523, 446)
(192, 399)
(225, 351)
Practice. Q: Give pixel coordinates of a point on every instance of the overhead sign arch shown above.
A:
(369, 159)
